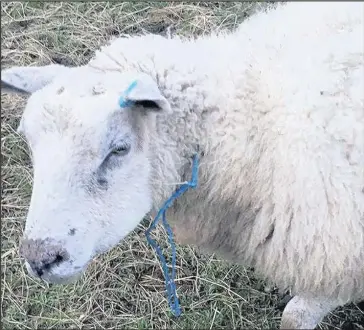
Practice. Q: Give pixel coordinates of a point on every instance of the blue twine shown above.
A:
(170, 285)
(122, 101)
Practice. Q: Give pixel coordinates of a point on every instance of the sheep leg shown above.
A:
(306, 312)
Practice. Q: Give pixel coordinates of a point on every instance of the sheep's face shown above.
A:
(91, 163)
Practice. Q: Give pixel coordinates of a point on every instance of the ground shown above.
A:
(123, 288)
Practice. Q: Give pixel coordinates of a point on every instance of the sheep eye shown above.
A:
(120, 150)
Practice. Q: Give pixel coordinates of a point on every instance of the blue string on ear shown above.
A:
(169, 280)
(170, 285)
(122, 101)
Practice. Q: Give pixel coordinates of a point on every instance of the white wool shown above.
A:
(287, 131)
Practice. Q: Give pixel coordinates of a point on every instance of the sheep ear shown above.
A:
(145, 92)
(27, 80)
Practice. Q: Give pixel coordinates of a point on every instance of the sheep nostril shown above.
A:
(43, 255)
(58, 259)
(55, 262)
(47, 264)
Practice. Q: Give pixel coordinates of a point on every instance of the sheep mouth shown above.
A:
(52, 277)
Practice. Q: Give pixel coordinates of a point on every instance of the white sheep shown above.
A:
(275, 112)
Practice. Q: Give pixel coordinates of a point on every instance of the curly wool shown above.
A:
(277, 109)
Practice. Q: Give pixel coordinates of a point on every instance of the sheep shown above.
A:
(274, 110)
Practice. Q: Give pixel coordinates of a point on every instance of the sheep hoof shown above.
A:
(306, 312)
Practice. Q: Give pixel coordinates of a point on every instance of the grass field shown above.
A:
(123, 288)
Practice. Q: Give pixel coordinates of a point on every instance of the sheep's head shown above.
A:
(91, 162)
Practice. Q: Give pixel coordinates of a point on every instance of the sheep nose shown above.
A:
(42, 254)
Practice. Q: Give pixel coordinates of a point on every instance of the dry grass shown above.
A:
(123, 288)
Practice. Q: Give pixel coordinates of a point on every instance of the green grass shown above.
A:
(123, 288)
